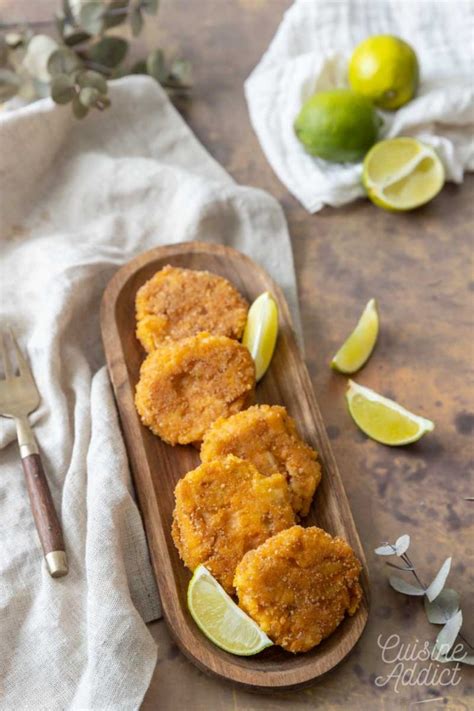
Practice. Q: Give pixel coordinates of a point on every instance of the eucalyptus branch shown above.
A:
(441, 604)
(408, 561)
(76, 66)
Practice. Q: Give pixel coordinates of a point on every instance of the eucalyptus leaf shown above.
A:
(115, 13)
(155, 65)
(9, 84)
(150, 6)
(136, 21)
(67, 12)
(62, 89)
(14, 39)
(3, 50)
(402, 544)
(437, 585)
(39, 50)
(88, 96)
(446, 659)
(443, 607)
(93, 79)
(72, 36)
(139, 67)
(91, 17)
(447, 637)
(63, 61)
(386, 549)
(103, 102)
(402, 586)
(109, 51)
(78, 108)
(181, 72)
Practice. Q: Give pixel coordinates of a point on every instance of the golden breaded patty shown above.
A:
(298, 586)
(267, 436)
(224, 509)
(186, 385)
(176, 303)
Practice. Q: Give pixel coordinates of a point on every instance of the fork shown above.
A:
(19, 396)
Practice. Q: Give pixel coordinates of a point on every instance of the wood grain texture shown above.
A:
(42, 505)
(157, 466)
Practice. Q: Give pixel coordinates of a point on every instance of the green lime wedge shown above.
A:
(357, 348)
(220, 619)
(384, 420)
(261, 332)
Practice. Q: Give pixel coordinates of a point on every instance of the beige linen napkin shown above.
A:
(77, 200)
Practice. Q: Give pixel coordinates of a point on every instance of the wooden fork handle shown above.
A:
(46, 518)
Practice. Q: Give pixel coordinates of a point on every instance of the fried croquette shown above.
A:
(224, 509)
(176, 303)
(298, 586)
(186, 385)
(267, 436)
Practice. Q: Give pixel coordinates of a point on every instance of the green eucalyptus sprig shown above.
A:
(441, 603)
(74, 68)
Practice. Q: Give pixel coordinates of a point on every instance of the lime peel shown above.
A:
(220, 619)
(384, 420)
(261, 332)
(358, 347)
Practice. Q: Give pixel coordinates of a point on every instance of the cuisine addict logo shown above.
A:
(412, 664)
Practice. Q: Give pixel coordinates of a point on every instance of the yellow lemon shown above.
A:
(402, 173)
(384, 420)
(385, 70)
(220, 619)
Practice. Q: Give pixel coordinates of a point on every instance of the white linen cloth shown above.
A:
(78, 199)
(310, 53)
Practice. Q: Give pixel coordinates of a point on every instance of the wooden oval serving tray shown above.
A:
(157, 466)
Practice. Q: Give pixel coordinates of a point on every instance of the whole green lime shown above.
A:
(337, 125)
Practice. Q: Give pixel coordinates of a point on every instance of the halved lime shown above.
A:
(221, 620)
(261, 331)
(357, 348)
(402, 173)
(384, 420)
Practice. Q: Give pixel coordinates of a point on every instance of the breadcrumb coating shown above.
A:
(186, 385)
(224, 509)
(266, 436)
(299, 585)
(177, 303)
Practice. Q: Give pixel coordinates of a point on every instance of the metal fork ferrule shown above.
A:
(26, 438)
(27, 449)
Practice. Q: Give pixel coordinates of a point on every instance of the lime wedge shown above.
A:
(357, 348)
(221, 620)
(383, 419)
(261, 331)
(402, 173)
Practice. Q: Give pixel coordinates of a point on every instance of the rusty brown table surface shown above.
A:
(419, 266)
